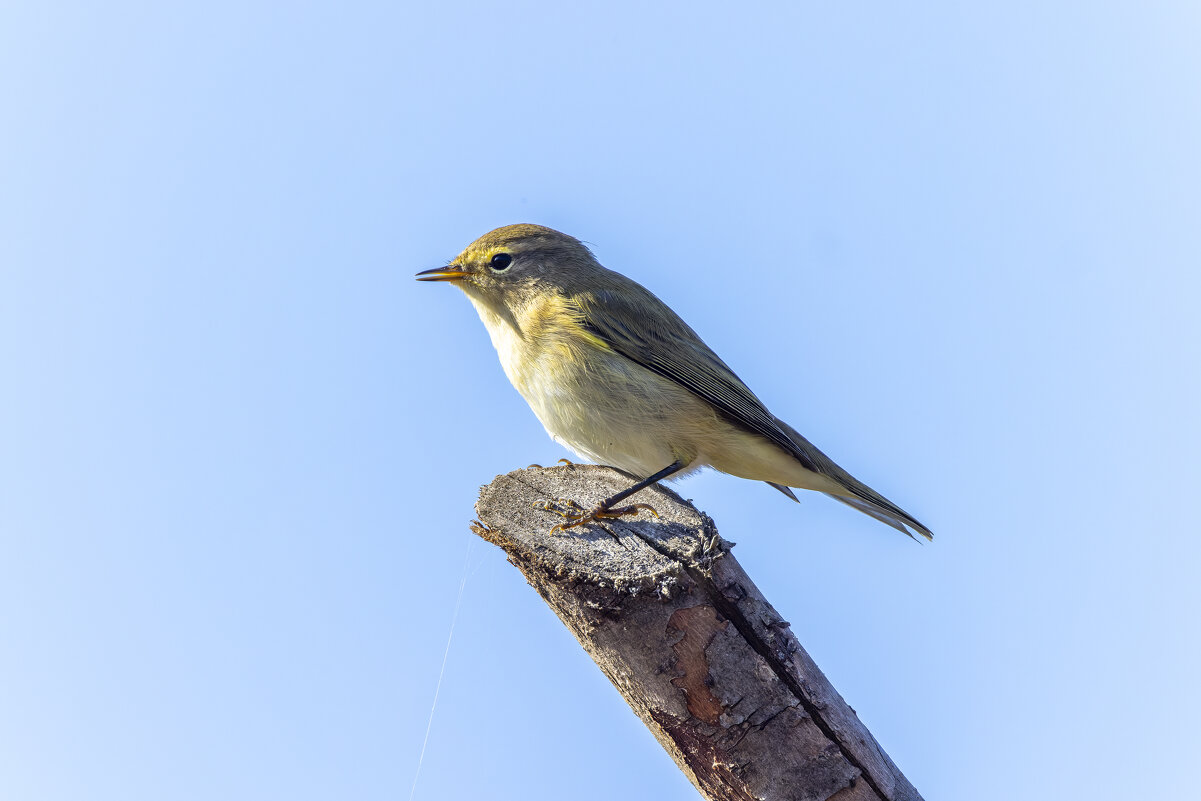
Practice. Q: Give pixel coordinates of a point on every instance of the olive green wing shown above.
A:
(655, 337)
(660, 341)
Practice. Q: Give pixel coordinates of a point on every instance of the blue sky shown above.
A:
(954, 245)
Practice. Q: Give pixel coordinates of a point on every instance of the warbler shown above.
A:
(615, 375)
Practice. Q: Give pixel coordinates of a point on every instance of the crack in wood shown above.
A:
(733, 613)
(652, 604)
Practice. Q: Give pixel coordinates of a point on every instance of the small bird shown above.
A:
(615, 375)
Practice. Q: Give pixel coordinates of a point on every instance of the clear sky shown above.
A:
(956, 245)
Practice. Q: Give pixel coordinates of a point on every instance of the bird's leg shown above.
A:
(607, 508)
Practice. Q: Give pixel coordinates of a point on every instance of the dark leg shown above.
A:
(674, 467)
(606, 507)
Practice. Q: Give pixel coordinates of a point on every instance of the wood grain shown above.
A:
(666, 612)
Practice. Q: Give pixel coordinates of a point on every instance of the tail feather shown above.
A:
(890, 515)
(786, 490)
(858, 495)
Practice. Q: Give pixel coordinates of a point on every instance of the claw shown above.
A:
(632, 509)
(573, 508)
(598, 514)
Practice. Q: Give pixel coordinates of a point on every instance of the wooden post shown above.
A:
(699, 654)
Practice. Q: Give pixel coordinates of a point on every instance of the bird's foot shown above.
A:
(601, 513)
(577, 515)
(564, 507)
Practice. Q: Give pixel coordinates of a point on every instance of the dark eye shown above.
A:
(501, 261)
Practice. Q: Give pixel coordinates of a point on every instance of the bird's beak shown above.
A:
(451, 272)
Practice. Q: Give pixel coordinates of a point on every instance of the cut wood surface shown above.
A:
(699, 654)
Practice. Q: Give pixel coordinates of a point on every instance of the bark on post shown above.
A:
(687, 639)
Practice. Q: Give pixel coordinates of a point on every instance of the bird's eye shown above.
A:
(501, 261)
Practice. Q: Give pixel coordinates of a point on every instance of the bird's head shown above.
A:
(509, 267)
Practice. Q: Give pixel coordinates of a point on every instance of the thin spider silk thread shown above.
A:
(438, 688)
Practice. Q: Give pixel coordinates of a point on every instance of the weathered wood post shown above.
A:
(699, 654)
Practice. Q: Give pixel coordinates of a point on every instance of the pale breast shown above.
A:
(596, 402)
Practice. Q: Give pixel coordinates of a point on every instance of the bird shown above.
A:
(619, 378)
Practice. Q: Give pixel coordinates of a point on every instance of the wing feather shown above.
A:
(664, 344)
(667, 346)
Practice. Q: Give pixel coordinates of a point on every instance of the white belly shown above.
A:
(609, 409)
(597, 403)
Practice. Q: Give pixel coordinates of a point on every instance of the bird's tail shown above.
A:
(883, 510)
(857, 495)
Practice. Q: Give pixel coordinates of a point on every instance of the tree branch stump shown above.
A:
(666, 612)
